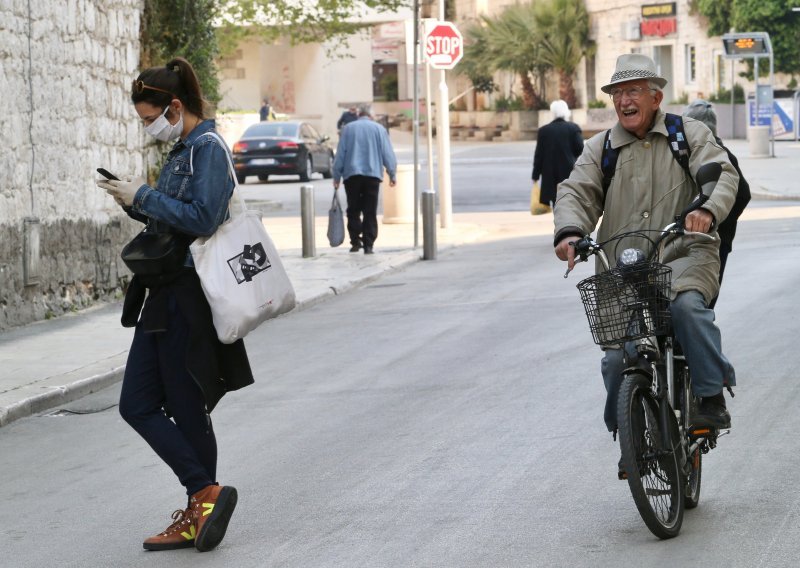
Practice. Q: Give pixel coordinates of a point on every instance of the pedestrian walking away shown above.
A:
(558, 145)
(265, 112)
(704, 112)
(177, 370)
(364, 151)
(348, 116)
(648, 189)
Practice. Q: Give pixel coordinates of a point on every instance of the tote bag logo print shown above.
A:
(252, 260)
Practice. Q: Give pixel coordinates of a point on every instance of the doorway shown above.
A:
(662, 55)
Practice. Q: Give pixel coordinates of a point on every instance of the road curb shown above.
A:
(402, 262)
(760, 193)
(70, 392)
(59, 395)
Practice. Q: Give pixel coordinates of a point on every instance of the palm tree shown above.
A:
(476, 63)
(515, 43)
(505, 43)
(529, 40)
(564, 28)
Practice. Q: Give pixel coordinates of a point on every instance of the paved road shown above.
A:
(448, 415)
(497, 177)
(485, 177)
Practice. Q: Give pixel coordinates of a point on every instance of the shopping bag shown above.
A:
(240, 271)
(537, 208)
(335, 221)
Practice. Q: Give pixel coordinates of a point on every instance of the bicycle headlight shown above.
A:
(630, 257)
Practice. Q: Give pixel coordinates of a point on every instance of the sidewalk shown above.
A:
(50, 363)
(770, 178)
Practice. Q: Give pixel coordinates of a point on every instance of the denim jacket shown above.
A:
(194, 187)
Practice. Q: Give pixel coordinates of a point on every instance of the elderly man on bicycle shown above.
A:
(648, 189)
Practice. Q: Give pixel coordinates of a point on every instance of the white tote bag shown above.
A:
(241, 273)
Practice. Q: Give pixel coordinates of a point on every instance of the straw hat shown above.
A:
(633, 66)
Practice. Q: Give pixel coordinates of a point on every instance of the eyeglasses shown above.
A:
(139, 86)
(633, 93)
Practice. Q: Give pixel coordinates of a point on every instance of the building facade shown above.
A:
(670, 33)
(314, 81)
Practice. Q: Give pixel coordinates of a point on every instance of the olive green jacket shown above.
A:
(648, 190)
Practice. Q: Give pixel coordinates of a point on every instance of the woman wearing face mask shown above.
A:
(177, 370)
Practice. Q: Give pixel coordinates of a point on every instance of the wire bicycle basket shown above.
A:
(625, 304)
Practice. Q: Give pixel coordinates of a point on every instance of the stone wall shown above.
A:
(65, 71)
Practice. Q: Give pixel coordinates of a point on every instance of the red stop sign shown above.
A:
(444, 46)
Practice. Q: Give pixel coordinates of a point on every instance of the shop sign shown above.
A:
(663, 10)
(659, 27)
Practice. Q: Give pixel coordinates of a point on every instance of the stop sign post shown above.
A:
(444, 46)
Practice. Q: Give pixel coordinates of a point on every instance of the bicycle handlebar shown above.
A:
(586, 246)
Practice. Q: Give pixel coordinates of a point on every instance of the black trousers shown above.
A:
(156, 382)
(362, 209)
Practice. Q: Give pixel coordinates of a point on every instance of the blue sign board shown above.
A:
(764, 115)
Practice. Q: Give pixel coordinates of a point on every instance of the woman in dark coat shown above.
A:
(558, 145)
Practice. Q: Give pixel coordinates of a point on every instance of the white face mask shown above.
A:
(161, 129)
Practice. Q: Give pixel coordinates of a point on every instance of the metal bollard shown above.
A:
(307, 220)
(428, 225)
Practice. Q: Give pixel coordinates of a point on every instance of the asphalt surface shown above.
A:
(449, 414)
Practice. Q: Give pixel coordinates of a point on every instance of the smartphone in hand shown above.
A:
(106, 174)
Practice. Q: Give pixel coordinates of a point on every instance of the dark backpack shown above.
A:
(681, 152)
(677, 143)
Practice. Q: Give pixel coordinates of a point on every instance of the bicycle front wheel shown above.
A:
(653, 475)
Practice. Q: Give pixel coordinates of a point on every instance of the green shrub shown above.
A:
(597, 103)
(502, 103)
(724, 95)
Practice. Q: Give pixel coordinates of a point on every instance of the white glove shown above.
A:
(123, 191)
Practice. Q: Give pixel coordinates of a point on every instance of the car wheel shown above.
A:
(240, 178)
(263, 177)
(328, 174)
(306, 175)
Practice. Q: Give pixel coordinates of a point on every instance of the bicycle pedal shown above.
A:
(700, 432)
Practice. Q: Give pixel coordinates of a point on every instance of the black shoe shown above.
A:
(355, 248)
(712, 413)
(368, 250)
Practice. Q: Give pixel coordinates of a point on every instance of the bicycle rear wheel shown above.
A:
(653, 475)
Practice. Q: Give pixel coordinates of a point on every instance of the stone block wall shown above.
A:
(65, 73)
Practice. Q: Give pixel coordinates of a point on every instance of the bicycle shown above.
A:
(628, 305)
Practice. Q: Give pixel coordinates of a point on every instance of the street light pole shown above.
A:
(443, 136)
(415, 122)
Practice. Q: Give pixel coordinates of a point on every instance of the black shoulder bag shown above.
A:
(155, 253)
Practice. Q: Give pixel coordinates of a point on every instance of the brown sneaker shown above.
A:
(212, 508)
(180, 534)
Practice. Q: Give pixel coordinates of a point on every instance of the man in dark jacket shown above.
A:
(348, 116)
(701, 110)
(558, 145)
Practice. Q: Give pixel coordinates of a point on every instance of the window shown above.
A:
(273, 130)
(720, 81)
(691, 64)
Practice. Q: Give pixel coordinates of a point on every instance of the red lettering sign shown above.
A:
(659, 27)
